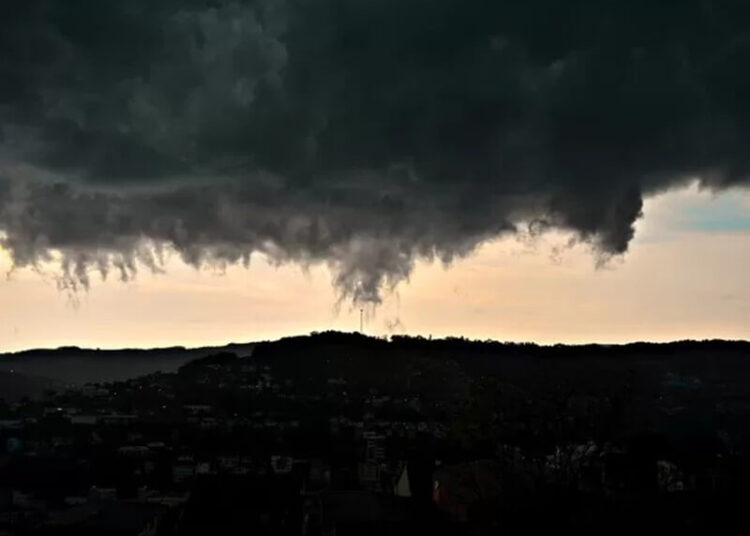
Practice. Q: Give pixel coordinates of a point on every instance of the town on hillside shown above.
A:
(343, 434)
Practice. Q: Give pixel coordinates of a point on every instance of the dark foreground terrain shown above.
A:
(337, 434)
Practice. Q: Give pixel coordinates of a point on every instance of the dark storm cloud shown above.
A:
(361, 133)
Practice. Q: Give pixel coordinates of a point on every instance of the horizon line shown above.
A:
(219, 346)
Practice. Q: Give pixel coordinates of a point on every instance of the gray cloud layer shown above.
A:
(362, 133)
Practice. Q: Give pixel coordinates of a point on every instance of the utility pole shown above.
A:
(361, 323)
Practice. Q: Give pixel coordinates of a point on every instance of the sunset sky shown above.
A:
(684, 277)
(190, 172)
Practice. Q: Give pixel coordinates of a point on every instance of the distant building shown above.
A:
(374, 447)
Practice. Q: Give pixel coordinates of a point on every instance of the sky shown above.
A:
(204, 171)
(684, 276)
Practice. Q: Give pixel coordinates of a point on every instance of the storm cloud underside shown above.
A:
(360, 133)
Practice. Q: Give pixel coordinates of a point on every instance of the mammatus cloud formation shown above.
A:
(361, 133)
